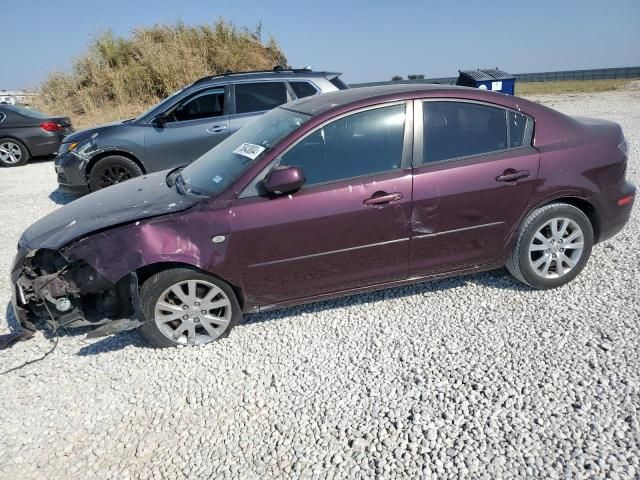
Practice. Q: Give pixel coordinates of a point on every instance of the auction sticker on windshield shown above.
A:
(249, 150)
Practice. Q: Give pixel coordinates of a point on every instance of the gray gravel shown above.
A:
(469, 377)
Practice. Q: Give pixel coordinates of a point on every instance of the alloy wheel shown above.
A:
(192, 312)
(113, 175)
(556, 248)
(10, 152)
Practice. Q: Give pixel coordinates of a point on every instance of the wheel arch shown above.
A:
(581, 204)
(585, 207)
(147, 271)
(110, 152)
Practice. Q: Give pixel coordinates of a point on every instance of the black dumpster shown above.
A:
(488, 79)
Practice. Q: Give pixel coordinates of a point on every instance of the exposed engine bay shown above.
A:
(72, 294)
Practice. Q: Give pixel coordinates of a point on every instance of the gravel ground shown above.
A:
(469, 377)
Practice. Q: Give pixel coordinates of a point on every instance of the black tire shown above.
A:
(155, 286)
(520, 261)
(111, 170)
(24, 153)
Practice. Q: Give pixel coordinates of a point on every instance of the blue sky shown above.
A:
(366, 40)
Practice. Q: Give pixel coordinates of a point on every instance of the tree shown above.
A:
(415, 76)
(395, 78)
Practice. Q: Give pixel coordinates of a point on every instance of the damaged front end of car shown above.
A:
(79, 265)
(50, 289)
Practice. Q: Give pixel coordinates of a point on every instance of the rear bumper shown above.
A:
(46, 144)
(612, 217)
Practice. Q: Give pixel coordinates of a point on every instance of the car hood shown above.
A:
(135, 199)
(86, 133)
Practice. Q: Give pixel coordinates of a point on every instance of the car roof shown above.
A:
(344, 100)
(316, 105)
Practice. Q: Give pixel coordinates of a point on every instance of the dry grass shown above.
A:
(569, 86)
(120, 77)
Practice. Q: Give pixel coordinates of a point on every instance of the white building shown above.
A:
(16, 97)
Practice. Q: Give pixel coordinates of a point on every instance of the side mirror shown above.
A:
(284, 180)
(161, 119)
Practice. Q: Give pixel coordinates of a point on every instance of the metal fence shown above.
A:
(593, 74)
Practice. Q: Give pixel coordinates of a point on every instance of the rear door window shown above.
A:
(460, 129)
(258, 97)
(303, 89)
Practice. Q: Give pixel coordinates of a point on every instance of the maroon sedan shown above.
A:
(337, 194)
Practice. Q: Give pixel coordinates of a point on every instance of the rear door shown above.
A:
(252, 99)
(348, 227)
(194, 125)
(474, 171)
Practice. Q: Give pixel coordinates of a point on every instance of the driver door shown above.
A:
(194, 126)
(349, 225)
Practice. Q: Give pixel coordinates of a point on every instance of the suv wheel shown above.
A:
(553, 246)
(13, 153)
(112, 170)
(186, 307)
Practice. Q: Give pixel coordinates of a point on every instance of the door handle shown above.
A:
(512, 175)
(380, 198)
(217, 129)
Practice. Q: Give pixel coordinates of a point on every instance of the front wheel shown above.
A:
(553, 246)
(186, 307)
(112, 170)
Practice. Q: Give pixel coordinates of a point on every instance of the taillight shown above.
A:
(51, 126)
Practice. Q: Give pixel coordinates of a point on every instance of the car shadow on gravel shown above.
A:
(93, 347)
(61, 198)
(113, 343)
(500, 279)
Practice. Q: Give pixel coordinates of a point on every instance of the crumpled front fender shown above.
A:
(179, 238)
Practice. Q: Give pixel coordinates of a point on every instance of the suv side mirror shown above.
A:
(283, 180)
(161, 119)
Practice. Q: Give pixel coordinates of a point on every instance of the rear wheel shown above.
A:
(13, 153)
(553, 246)
(186, 307)
(112, 170)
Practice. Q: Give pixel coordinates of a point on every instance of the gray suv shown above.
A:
(182, 127)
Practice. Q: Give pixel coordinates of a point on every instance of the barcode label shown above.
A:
(249, 150)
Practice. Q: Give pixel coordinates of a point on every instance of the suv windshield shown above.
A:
(217, 168)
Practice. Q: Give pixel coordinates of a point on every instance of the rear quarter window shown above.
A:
(303, 89)
(339, 84)
(520, 127)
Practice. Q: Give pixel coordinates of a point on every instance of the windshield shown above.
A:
(217, 168)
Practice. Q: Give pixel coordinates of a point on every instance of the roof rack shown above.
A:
(276, 69)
